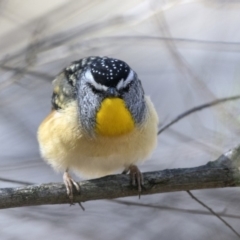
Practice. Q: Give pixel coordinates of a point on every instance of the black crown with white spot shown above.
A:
(109, 71)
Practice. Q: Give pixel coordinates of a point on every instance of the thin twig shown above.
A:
(198, 108)
(15, 181)
(215, 214)
(167, 208)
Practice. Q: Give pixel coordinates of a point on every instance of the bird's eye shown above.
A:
(94, 90)
(127, 87)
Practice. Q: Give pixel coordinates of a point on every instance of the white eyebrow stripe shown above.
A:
(96, 85)
(129, 78)
(120, 84)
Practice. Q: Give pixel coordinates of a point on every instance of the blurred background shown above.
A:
(185, 52)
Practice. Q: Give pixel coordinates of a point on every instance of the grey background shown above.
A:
(185, 52)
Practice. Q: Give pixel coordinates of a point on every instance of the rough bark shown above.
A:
(223, 172)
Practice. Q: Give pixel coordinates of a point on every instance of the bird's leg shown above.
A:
(69, 183)
(136, 177)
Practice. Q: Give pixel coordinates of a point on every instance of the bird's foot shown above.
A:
(69, 183)
(136, 177)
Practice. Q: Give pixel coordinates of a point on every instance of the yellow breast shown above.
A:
(113, 118)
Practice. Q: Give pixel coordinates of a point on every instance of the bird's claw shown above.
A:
(136, 177)
(69, 183)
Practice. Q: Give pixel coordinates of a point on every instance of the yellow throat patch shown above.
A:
(113, 118)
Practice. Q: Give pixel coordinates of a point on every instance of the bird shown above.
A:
(101, 122)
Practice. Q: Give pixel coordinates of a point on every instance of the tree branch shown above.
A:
(196, 109)
(213, 213)
(223, 172)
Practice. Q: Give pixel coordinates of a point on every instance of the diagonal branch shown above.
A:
(198, 108)
(213, 213)
(223, 172)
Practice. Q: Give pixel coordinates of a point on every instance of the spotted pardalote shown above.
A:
(101, 121)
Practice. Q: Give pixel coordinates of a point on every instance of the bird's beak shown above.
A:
(112, 92)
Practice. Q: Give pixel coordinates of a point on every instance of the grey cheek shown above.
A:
(136, 103)
(88, 103)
